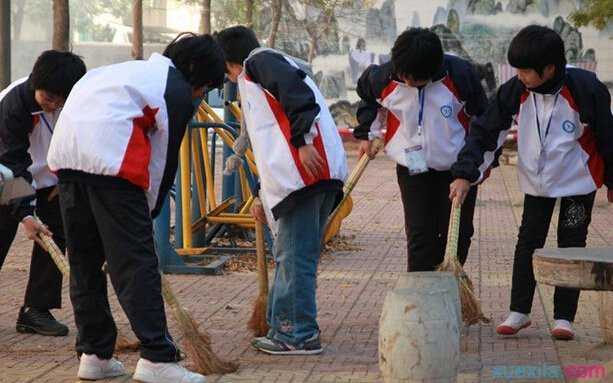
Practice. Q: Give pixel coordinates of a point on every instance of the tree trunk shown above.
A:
(5, 44)
(18, 18)
(249, 17)
(137, 29)
(312, 48)
(61, 25)
(205, 17)
(316, 32)
(277, 7)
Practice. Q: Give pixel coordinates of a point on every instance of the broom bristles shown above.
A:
(471, 308)
(125, 344)
(257, 323)
(196, 342)
(198, 347)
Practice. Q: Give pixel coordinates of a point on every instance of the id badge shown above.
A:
(416, 160)
(541, 162)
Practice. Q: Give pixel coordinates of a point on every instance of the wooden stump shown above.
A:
(428, 280)
(585, 269)
(419, 337)
(606, 316)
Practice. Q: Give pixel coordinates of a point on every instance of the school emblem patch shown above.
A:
(568, 126)
(446, 111)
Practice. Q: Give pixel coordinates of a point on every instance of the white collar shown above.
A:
(156, 57)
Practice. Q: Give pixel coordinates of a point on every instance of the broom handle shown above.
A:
(352, 180)
(454, 232)
(56, 254)
(261, 258)
(355, 176)
(171, 300)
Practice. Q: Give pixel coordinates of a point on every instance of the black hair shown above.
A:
(417, 53)
(535, 47)
(56, 72)
(199, 58)
(237, 42)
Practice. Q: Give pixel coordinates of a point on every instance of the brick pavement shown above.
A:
(352, 284)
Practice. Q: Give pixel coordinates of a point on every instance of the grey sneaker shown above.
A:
(311, 346)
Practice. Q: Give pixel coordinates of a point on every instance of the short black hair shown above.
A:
(535, 47)
(418, 53)
(56, 72)
(199, 58)
(237, 42)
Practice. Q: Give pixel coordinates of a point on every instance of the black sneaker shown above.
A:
(311, 346)
(39, 322)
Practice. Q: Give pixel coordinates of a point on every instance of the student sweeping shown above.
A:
(29, 108)
(302, 166)
(421, 104)
(115, 150)
(565, 149)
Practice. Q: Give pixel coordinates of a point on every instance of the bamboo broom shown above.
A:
(196, 342)
(471, 308)
(343, 209)
(258, 323)
(123, 343)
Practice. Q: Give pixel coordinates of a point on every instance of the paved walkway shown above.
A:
(352, 285)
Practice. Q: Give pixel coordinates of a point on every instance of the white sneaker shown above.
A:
(514, 322)
(149, 372)
(563, 330)
(94, 368)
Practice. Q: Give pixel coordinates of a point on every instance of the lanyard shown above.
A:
(421, 93)
(42, 116)
(538, 124)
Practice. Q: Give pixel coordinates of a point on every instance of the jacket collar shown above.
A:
(28, 97)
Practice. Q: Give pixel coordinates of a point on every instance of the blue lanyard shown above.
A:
(538, 124)
(420, 117)
(42, 116)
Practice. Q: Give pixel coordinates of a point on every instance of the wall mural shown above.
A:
(478, 30)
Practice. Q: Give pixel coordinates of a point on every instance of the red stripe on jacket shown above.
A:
(284, 125)
(135, 163)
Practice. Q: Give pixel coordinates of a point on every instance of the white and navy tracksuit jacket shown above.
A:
(124, 121)
(284, 110)
(390, 110)
(577, 150)
(25, 134)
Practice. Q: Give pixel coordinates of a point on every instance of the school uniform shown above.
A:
(115, 150)
(25, 133)
(284, 110)
(424, 129)
(565, 151)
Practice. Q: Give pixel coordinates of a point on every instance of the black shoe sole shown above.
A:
(24, 329)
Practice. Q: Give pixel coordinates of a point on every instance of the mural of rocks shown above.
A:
(362, 33)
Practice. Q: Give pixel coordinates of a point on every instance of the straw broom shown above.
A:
(123, 343)
(471, 308)
(197, 343)
(257, 323)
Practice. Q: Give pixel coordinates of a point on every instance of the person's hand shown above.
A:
(367, 147)
(610, 195)
(458, 190)
(257, 211)
(33, 227)
(311, 160)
